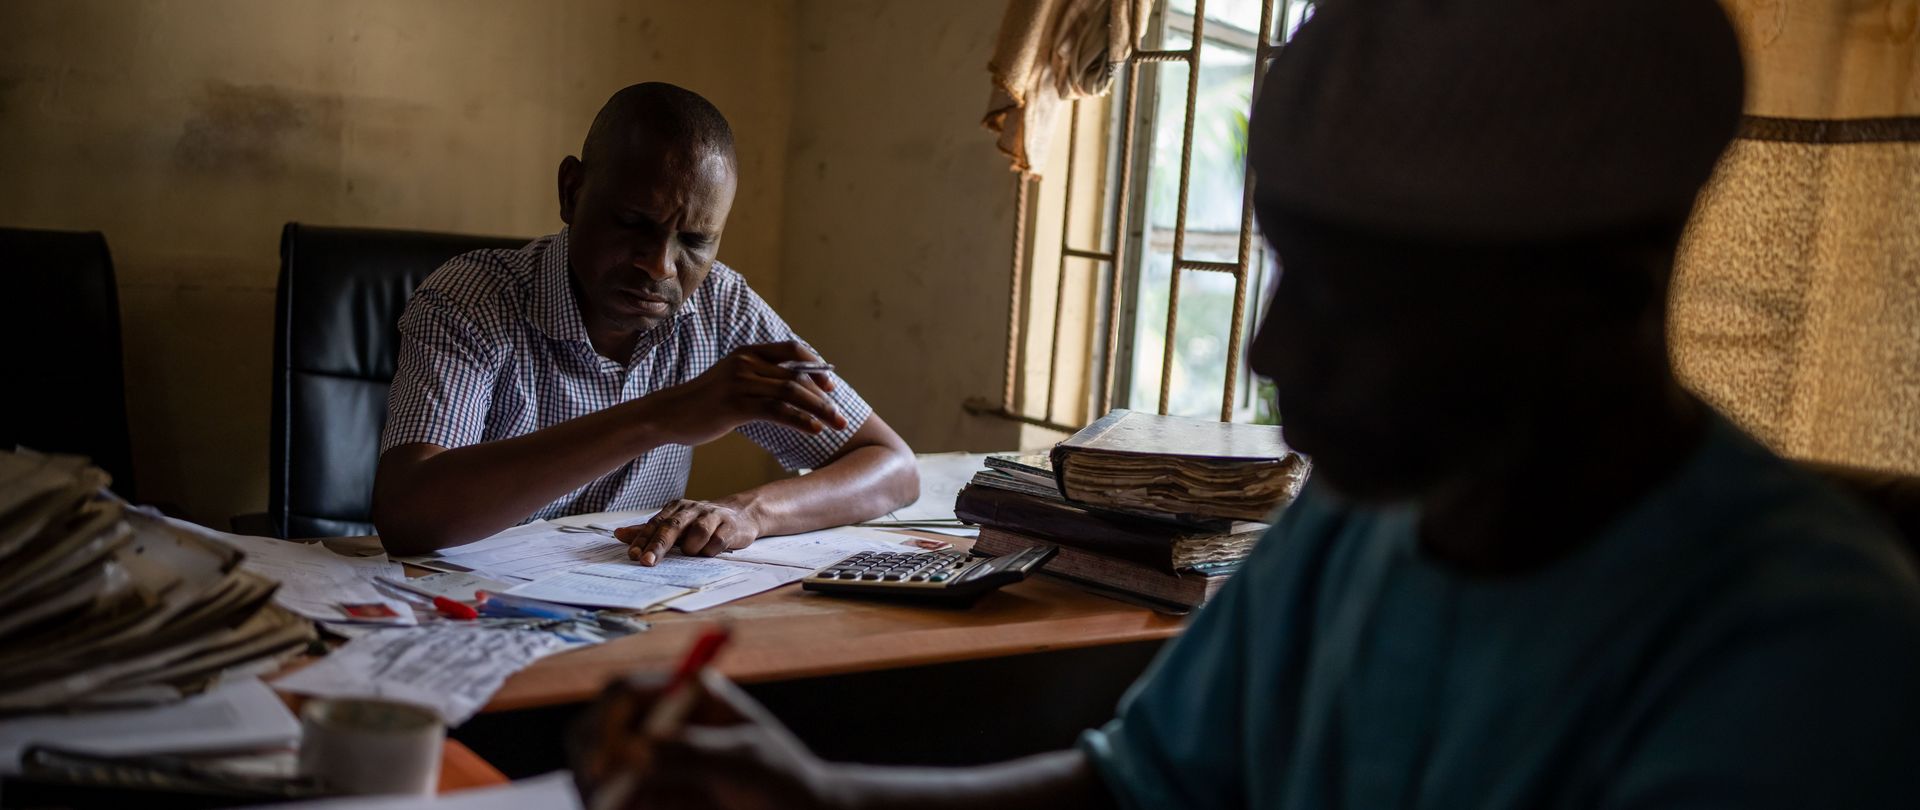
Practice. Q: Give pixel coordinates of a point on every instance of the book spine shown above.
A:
(1107, 572)
(1063, 451)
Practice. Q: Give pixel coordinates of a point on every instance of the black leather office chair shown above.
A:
(335, 338)
(61, 361)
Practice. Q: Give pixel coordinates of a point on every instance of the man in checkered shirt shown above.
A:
(577, 373)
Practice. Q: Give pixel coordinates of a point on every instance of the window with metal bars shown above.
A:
(1137, 270)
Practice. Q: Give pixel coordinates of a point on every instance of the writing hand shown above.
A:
(734, 754)
(748, 385)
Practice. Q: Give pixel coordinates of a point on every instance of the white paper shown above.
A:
(814, 550)
(529, 555)
(552, 791)
(942, 476)
(587, 590)
(448, 668)
(460, 587)
(761, 579)
(674, 569)
(314, 582)
(612, 520)
(239, 716)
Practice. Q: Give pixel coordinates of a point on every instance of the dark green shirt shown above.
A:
(1743, 637)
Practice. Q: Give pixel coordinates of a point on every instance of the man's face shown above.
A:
(1398, 369)
(643, 232)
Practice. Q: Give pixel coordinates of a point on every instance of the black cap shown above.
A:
(1497, 119)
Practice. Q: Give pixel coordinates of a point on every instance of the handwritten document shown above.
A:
(448, 668)
(816, 549)
(587, 590)
(762, 578)
(673, 569)
(532, 554)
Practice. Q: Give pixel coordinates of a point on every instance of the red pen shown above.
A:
(449, 608)
(676, 702)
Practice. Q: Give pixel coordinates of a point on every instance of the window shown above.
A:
(1096, 288)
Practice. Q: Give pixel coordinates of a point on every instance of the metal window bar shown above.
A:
(1114, 257)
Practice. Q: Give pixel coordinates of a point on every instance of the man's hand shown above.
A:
(747, 385)
(701, 528)
(734, 754)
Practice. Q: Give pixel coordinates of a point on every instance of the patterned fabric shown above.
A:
(492, 346)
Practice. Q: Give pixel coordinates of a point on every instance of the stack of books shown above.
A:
(1158, 509)
(102, 604)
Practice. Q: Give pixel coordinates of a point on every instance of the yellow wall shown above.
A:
(189, 132)
(900, 212)
(1830, 58)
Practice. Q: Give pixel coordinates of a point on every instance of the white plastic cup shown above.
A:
(366, 747)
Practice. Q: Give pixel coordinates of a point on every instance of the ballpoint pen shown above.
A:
(449, 608)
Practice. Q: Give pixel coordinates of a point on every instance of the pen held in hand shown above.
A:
(806, 366)
(670, 712)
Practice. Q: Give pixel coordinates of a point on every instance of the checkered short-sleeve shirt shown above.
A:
(492, 346)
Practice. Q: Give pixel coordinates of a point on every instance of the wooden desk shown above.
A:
(788, 633)
(830, 667)
(462, 769)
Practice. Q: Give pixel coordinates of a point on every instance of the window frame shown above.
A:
(1099, 375)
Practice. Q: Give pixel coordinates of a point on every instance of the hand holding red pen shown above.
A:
(692, 739)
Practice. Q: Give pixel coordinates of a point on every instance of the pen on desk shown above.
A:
(670, 712)
(447, 607)
(509, 606)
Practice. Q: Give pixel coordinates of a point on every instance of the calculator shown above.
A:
(938, 576)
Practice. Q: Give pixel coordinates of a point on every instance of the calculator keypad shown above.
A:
(897, 568)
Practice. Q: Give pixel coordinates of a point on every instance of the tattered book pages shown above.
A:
(106, 604)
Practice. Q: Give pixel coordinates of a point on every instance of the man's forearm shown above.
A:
(870, 479)
(1057, 780)
(463, 494)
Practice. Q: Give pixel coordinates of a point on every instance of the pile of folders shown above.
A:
(103, 604)
(1153, 509)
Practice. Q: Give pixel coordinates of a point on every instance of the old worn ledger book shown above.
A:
(1192, 468)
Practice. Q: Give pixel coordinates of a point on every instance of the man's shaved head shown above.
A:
(645, 204)
(656, 116)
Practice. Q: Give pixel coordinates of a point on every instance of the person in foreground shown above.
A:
(1531, 570)
(576, 374)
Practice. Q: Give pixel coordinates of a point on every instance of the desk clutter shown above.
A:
(1151, 509)
(105, 605)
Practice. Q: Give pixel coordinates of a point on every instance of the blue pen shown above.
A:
(501, 605)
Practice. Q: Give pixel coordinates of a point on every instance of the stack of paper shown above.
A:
(317, 583)
(553, 791)
(240, 716)
(101, 604)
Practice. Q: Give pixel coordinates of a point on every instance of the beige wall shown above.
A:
(1830, 58)
(189, 132)
(899, 212)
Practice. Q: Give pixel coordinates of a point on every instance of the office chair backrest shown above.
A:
(61, 361)
(335, 338)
